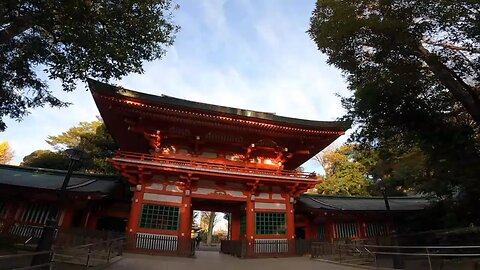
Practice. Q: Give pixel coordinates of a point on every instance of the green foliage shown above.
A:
(344, 175)
(413, 69)
(73, 137)
(90, 137)
(74, 40)
(100, 146)
(404, 49)
(46, 159)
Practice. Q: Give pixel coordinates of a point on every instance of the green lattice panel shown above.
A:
(270, 223)
(160, 217)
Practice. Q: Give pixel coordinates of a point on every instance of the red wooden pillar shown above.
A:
(185, 227)
(250, 222)
(330, 230)
(309, 229)
(135, 211)
(92, 218)
(235, 227)
(362, 229)
(250, 225)
(67, 218)
(290, 219)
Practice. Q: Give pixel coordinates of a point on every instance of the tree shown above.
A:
(413, 69)
(46, 159)
(433, 44)
(71, 41)
(73, 136)
(208, 220)
(90, 137)
(343, 174)
(6, 153)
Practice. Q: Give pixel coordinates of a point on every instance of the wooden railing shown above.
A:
(195, 164)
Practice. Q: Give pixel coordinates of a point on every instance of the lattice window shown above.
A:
(160, 217)
(39, 213)
(321, 232)
(270, 223)
(347, 230)
(376, 229)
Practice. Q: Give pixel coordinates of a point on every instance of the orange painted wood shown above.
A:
(290, 220)
(218, 197)
(330, 230)
(135, 212)
(235, 227)
(309, 229)
(250, 222)
(156, 231)
(270, 210)
(161, 202)
(185, 226)
(92, 220)
(271, 236)
(67, 218)
(362, 229)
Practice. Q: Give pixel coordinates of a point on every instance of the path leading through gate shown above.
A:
(208, 260)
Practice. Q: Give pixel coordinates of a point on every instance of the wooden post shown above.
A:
(290, 219)
(250, 226)
(330, 230)
(290, 225)
(135, 212)
(67, 218)
(92, 218)
(362, 234)
(309, 229)
(185, 227)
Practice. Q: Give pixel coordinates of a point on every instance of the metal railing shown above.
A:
(91, 255)
(88, 255)
(412, 257)
(24, 261)
(196, 164)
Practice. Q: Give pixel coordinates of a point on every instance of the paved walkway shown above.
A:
(208, 260)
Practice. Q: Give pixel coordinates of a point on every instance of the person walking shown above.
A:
(198, 239)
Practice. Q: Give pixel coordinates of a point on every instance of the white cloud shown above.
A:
(240, 54)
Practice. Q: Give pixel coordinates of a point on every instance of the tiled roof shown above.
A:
(119, 92)
(353, 203)
(52, 179)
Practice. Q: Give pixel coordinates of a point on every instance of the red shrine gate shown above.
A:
(177, 153)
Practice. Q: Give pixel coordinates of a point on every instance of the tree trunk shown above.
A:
(464, 93)
(211, 221)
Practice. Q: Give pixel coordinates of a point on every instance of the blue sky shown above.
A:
(247, 54)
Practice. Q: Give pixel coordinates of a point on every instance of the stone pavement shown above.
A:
(210, 260)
